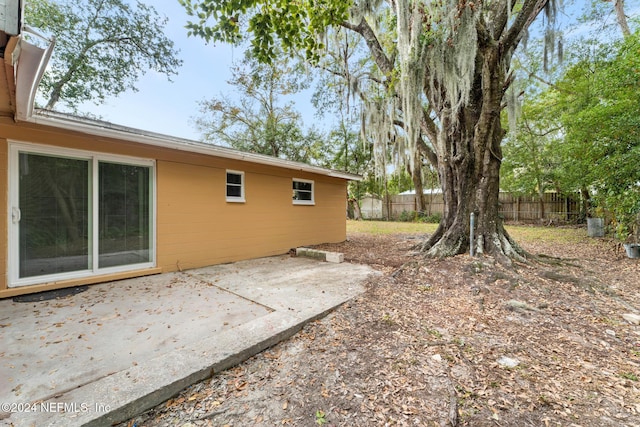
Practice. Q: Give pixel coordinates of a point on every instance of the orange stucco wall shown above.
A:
(195, 224)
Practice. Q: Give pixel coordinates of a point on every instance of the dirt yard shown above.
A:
(453, 342)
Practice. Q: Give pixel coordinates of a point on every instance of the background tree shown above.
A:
(257, 119)
(102, 48)
(446, 66)
(599, 106)
(343, 67)
(531, 162)
(578, 131)
(350, 84)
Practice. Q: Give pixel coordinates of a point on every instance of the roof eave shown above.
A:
(108, 130)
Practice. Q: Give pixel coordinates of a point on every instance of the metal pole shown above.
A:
(472, 224)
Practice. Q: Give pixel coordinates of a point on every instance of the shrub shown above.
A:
(413, 216)
(408, 216)
(434, 218)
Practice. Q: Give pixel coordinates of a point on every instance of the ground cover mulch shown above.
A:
(452, 342)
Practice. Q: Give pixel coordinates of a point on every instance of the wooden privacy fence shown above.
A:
(554, 207)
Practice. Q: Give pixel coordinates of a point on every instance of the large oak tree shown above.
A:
(102, 47)
(446, 65)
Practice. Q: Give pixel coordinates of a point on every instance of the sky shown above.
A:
(169, 107)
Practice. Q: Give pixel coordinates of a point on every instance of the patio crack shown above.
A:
(212, 284)
(61, 393)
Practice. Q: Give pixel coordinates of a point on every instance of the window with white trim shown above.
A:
(303, 192)
(235, 186)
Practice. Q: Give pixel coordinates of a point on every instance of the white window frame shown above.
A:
(313, 191)
(17, 147)
(234, 199)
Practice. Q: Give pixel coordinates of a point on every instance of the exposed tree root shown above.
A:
(431, 241)
(498, 245)
(550, 260)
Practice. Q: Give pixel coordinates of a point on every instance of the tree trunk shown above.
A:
(354, 211)
(464, 193)
(57, 87)
(416, 176)
(541, 203)
(461, 121)
(586, 202)
(470, 155)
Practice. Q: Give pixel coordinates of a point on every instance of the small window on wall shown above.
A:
(303, 192)
(235, 186)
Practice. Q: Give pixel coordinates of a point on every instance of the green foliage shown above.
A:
(579, 130)
(413, 216)
(102, 47)
(434, 218)
(399, 182)
(408, 216)
(599, 100)
(531, 151)
(530, 161)
(261, 122)
(321, 417)
(350, 154)
(296, 26)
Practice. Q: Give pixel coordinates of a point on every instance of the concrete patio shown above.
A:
(101, 356)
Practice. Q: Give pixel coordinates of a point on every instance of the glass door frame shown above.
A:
(94, 158)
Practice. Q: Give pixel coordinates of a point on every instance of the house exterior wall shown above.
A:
(195, 225)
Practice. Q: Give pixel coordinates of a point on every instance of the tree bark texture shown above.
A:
(469, 158)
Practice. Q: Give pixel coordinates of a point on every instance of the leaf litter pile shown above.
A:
(451, 342)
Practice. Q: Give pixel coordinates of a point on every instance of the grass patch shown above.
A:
(390, 227)
(521, 233)
(629, 375)
(531, 233)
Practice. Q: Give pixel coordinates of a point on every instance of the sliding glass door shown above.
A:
(75, 214)
(123, 214)
(54, 196)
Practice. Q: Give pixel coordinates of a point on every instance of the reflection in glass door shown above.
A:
(123, 197)
(54, 211)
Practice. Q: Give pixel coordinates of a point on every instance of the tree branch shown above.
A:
(423, 148)
(547, 82)
(528, 13)
(622, 18)
(382, 60)
(501, 17)
(343, 75)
